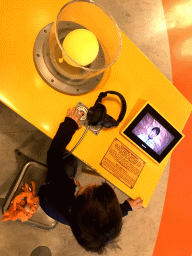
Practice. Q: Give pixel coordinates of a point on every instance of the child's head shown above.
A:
(96, 218)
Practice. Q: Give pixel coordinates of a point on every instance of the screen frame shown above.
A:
(127, 132)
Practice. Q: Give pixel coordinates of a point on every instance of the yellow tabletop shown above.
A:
(133, 75)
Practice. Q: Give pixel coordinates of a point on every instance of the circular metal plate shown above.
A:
(52, 76)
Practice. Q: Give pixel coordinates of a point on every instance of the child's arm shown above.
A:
(66, 131)
(125, 208)
(62, 138)
(130, 205)
(135, 204)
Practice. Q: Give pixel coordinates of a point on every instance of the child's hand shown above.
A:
(75, 115)
(135, 204)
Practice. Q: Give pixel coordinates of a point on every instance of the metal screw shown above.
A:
(52, 80)
(38, 55)
(45, 31)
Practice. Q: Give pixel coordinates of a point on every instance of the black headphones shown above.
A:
(97, 115)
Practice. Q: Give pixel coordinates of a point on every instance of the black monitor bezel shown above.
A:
(149, 109)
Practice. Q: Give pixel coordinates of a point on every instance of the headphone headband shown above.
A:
(123, 102)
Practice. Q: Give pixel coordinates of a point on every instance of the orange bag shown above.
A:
(23, 206)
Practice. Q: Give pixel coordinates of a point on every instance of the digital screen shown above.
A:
(153, 134)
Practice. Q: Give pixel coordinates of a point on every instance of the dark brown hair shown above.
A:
(96, 219)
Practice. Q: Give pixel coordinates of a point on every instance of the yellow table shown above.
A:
(133, 75)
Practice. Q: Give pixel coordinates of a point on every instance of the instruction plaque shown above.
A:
(122, 163)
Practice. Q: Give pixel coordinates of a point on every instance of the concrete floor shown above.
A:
(143, 22)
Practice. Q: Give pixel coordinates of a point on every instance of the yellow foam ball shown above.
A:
(81, 45)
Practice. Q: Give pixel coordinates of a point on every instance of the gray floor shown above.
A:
(143, 22)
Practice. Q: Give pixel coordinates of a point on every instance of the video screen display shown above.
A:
(153, 134)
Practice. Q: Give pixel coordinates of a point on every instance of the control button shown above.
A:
(84, 110)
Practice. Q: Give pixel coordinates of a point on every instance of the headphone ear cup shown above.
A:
(96, 114)
(109, 121)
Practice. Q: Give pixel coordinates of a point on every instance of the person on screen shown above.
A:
(148, 139)
(93, 212)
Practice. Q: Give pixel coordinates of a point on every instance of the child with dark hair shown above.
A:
(148, 139)
(93, 213)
